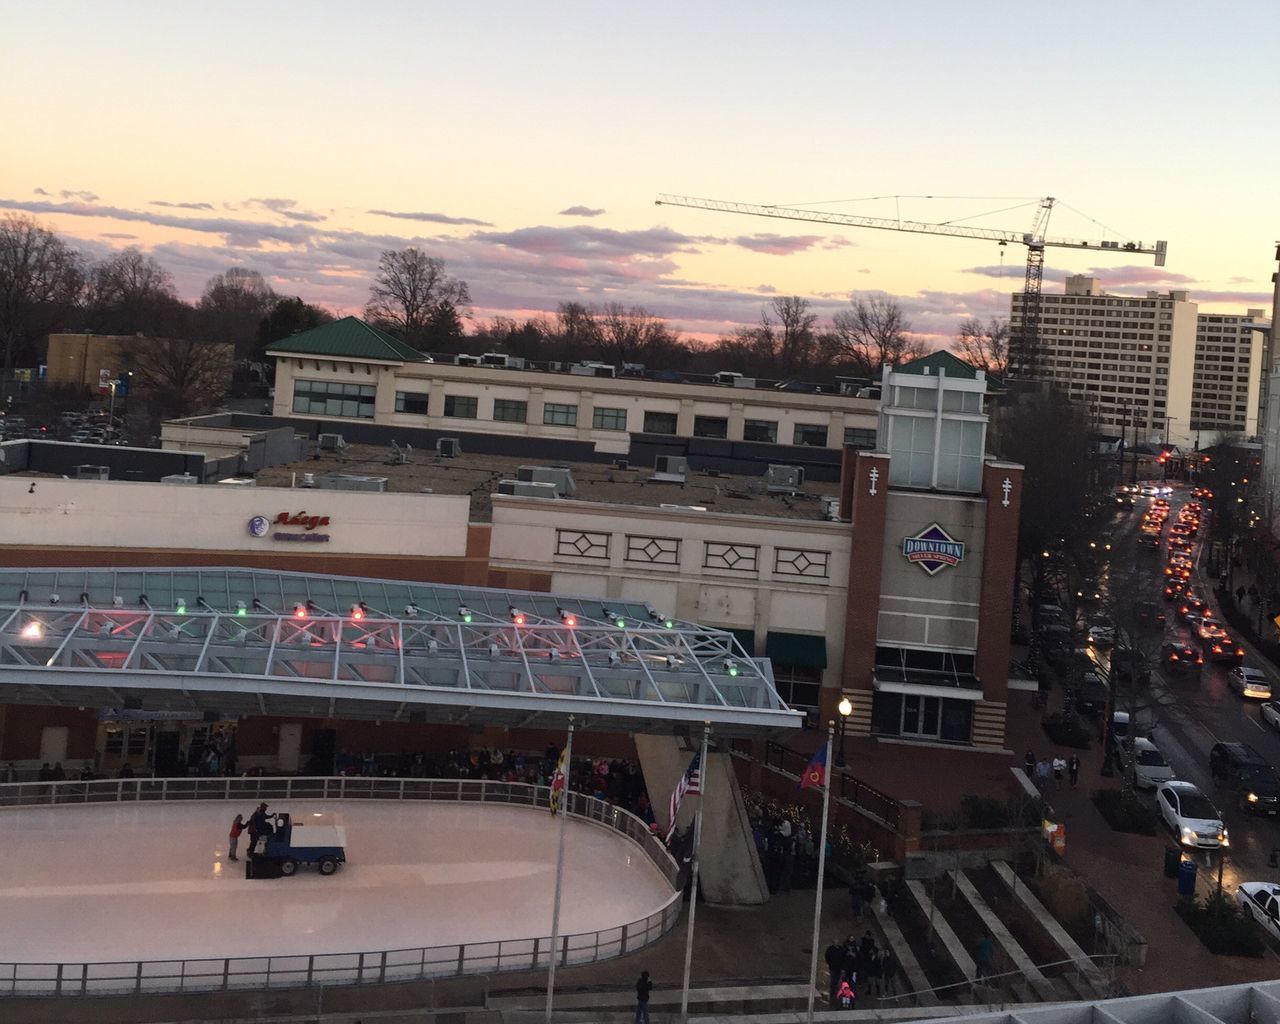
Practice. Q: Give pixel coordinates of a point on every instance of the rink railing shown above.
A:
(356, 968)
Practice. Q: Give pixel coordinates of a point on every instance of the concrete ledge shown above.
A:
(916, 977)
(1000, 932)
(945, 932)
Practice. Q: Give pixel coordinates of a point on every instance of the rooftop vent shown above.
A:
(527, 488)
(784, 479)
(559, 476)
(670, 469)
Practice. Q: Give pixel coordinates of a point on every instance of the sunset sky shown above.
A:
(525, 142)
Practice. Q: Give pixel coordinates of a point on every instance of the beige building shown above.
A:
(1154, 360)
(88, 360)
(350, 370)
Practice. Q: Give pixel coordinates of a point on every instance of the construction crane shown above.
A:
(1022, 360)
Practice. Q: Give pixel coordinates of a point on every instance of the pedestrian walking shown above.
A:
(1059, 768)
(1240, 595)
(855, 900)
(1029, 765)
(237, 827)
(889, 973)
(1073, 769)
(1042, 775)
(845, 996)
(874, 974)
(643, 987)
(834, 957)
(986, 948)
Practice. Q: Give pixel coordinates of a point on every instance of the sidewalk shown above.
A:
(1127, 870)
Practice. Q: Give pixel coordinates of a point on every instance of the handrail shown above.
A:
(205, 974)
(987, 978)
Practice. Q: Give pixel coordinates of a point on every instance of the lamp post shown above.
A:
(845, 707)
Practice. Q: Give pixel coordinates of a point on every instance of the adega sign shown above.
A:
(933, 549)
(296, 526)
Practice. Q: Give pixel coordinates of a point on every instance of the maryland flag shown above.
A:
(558, 781)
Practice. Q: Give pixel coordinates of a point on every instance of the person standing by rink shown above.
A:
(237, 827)
(643, 987)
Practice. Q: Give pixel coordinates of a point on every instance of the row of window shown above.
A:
(330, 398)
(561, 415)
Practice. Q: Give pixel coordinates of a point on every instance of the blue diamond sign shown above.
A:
(933, 549)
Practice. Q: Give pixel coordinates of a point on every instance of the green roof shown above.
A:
(940, 360)
(349, 337)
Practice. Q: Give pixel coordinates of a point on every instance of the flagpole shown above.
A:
(693, 889)
(822, 870)
(555, 912)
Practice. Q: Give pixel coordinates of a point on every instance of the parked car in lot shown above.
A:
(1190, 815)
(1249, 682)
(1149, 765)
(1261, 901)
(1249, 776)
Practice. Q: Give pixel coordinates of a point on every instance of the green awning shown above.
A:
(797, 649)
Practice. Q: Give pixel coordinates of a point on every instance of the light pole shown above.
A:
(845, 707)
(111, 409)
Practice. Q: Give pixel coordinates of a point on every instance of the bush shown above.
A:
(1067, 899)
(1125, 812)
(983, 812)
(1223, 926)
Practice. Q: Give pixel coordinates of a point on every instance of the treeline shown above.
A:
(46, 285)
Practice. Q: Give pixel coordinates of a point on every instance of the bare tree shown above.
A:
(409, 291)
(636, 336)
(984, 345)
(874, 333)
(131, 293)
(232, 307)
(783, 344)
(40, 282)
(180, 377)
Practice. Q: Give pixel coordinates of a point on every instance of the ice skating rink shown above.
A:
(152, 882)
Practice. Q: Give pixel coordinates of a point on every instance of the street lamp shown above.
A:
(845, 707)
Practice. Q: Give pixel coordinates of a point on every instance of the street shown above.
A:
(1193, 712)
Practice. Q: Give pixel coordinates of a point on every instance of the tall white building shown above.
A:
(1153, 363)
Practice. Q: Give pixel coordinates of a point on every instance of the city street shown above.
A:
(1193, 711)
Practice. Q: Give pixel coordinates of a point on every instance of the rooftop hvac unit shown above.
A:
(308, 480)
(594, 369)
(784, 479)
(527, 488)
(349, 482)
(830, 509)
(178, 478)
(448, 447)
(331, 442)
(728, 377)
(93, 473)
(558, 476)
(462, 359)
(670, 468)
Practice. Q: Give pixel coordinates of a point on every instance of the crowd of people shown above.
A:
(787, 849)
(859, 966)
(1051, 772)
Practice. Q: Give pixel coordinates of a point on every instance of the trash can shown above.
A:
(1172, 858)
(1187, 878)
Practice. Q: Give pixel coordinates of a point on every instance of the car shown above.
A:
(1191, 816)
(1179, 544)
(1103, 635)
(1248, 775)
(1177, 655)
(1119, 731)
(1091, 695)
(1088, 593)
(1269, 712)
(1149, 765)
(1249, 682)
(1174, 589)
(1261, 901)
(1223, 650)
(1131, 666)
(1149, 490)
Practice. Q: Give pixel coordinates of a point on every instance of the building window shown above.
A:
(560, 415)
(660, 423)
(798, 685)
(609, 419)
(411, 401)
(860, 437)
(710, 426)
(330, 398)
(509, 410)
(811, 434)
(765, 431)
(463, 407)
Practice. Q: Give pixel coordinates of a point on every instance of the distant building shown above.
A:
(88, 360)
(1153, 363)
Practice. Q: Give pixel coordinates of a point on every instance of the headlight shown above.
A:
(1252, 798)
(1188, 834)
(1223, 838)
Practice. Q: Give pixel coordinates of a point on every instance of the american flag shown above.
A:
(690, 782)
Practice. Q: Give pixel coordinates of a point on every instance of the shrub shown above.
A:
(1125, 812)
(983, 812)
(1066, 898)
(1068, 731)
(1221, 925)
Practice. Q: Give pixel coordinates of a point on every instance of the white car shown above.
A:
(1190, 815)
(1261, 901)
(1150, 767)
(1102, 635)
(1270, 714)
(1249, 682)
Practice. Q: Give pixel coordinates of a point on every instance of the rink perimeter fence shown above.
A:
(356, 968)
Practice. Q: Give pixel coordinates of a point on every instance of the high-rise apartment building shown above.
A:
(1151, 363)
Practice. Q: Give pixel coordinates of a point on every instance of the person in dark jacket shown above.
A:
(834, 957)
(888, 973)
(643, 987)
(258, 826)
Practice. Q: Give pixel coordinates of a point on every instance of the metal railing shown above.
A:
(354, 968)
(1088, 975)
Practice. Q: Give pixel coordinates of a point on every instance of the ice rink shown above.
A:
(152, 882)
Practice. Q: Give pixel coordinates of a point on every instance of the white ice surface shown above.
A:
(151, 881)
